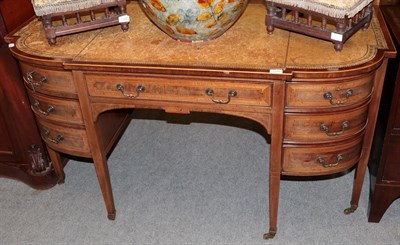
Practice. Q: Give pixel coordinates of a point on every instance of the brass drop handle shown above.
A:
(31, 81)
(49, 109)
(329, 96)
(231, 93)
(323, 162)
(139, 89)
(57, 140)
(324, 127)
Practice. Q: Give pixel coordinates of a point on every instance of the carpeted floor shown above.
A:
(194, 184)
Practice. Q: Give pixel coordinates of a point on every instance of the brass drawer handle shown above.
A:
(140, 88)
(49, 109)
(329, 96)
(325, 128)
(57, 140)
(30, 79)
(231, 93)
(322, 161)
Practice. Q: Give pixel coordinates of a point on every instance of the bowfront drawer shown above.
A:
(329, 94)
(310, 160)
(65, 139)
(47, 81)
(66, 110)
(179, 89)
(325, 126)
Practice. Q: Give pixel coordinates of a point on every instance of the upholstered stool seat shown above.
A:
(62, 17)
(336, 21)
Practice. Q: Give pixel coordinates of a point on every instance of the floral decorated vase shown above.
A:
(194, 20)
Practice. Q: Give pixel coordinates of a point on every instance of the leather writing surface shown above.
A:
(245, 46)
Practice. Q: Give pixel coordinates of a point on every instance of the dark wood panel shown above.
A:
(15, 12)
(389, 2)
(22, 153)
(391, 170)
(6, 145)
(384, 162)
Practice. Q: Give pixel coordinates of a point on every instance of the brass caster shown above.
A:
(111, 216)
(269, 235)
(61, 179)
(351, 209)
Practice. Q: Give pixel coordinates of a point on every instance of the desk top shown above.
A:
(245, 46)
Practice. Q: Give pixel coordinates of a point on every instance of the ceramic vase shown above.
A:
(194, 20)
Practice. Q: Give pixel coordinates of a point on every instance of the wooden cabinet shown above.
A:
(384, 163)
(319, 106)
(23, 155)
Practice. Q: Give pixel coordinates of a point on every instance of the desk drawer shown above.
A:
(66, 110)
(310, 160)
(70, 140)
(47, 81)
(325, 126)
(329, 94)
(179, 89)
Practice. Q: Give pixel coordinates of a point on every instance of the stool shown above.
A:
(63, 17)
(337, 20)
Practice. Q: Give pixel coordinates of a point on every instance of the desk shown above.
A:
(319, 106)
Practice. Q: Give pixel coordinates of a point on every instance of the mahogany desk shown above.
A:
(319, 106)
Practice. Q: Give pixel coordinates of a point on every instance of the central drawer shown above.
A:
(196, 90)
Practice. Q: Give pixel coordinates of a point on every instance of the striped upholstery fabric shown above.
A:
(44, 7)
(332, 8)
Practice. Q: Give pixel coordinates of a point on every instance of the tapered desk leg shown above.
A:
(100, 164)
(96, 145)
(274, 186)
(368, 137)
(275, 158)
(57, 164)
(101, 167)
(358, 181)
